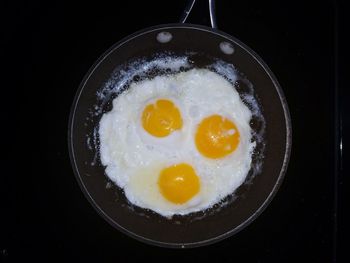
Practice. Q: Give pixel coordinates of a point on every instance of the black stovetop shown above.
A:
(53, 45)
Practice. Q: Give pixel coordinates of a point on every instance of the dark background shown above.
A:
(48, 46)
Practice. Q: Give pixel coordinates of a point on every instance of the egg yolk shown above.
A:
(178, 183)
(161, 118)
(216, 137)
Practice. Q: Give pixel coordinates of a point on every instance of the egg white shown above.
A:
(134, 158)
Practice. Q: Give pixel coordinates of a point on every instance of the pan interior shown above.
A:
(130, 61)
(167, 64)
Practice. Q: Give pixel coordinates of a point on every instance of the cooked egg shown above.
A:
(177, 143)
(161, 118)
(216, 136)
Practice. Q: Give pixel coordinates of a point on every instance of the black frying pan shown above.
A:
(249, 200)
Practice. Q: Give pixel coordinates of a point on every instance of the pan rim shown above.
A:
(283, 169)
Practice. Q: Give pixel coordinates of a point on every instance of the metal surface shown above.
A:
(187, 11)
(212, 13)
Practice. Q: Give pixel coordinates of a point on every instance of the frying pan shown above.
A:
(203, 45)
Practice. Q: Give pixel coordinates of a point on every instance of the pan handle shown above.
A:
(212, 14)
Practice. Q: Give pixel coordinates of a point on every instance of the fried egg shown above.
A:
(179, 143)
